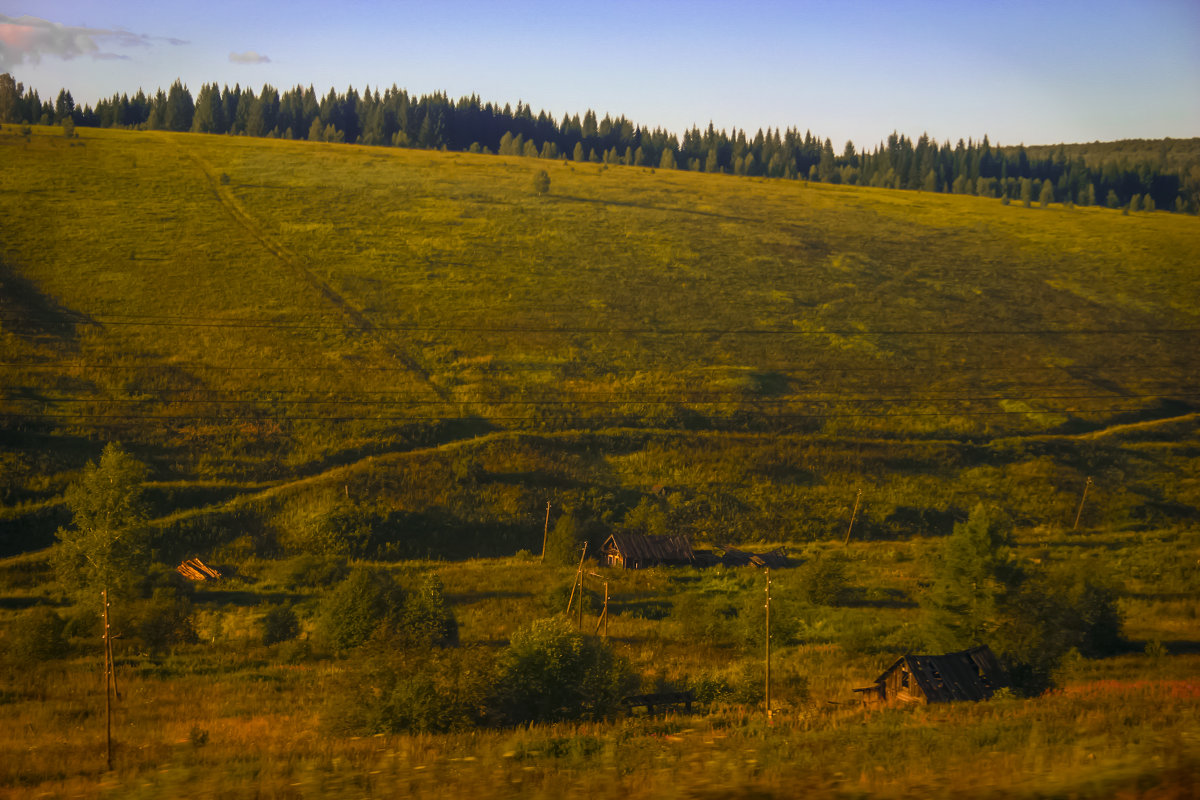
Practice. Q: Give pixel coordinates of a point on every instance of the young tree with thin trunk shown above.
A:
(108, 544)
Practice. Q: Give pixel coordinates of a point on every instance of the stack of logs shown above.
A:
(197, 570)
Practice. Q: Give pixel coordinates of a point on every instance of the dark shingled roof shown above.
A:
(968, 675)
(646, 550)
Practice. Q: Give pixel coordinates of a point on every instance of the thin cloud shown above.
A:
(249, 57)
(29, 38)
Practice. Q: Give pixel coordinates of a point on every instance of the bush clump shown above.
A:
(36, 636)
(552, 672)
(368, 599)
(280, 624)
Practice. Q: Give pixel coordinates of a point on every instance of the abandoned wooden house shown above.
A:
(969, 675)
(732, 557)
(635, 551)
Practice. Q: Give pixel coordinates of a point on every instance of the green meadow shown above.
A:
(293, 334)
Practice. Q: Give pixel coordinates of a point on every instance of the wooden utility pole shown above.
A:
(578, 584)
(546, 531)
(853, 516)
(109, 681)
(768, 615)
(603, 619)
(1079, 513)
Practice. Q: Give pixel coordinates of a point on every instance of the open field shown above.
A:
(288, 333)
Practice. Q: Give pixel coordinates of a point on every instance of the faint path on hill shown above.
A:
(237, 211)
(1110, 431)
(1128, 427)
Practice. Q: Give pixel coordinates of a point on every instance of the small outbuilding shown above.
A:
(973, 674)
(635, 551)
(732, 557)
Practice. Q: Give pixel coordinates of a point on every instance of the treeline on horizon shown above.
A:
(435, 122)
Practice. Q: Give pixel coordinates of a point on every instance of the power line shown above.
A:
(583, 421)
(165, 321)
(365, 400)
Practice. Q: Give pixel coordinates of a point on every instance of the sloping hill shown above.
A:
(248, 310)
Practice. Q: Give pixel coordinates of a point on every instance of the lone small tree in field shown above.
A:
(108, 545)
(1047, 195)
(541, 182)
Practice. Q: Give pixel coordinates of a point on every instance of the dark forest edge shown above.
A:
(1164, 176)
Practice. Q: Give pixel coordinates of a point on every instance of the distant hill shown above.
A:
(1174, 155)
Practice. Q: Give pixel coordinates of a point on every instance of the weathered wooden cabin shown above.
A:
(969, 675)
(635, 551)
(732, 557)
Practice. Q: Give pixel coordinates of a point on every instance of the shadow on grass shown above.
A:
(1170, 646)
(475, 597)
(32, 315)
(18, 603)
(244, 597)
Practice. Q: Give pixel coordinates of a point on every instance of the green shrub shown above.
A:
(163, 620)
(551, 672)
(279, 624)
(822, 580)
(37, 635)
(392, 689)
(427, 618)
(368, 599)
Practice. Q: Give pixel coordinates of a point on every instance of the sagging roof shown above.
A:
(634, 547)
(736, 558)
(967, 675)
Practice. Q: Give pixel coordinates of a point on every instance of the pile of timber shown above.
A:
(197, 570)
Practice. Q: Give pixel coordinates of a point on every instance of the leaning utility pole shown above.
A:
(603, 618)
(1079, 513)
(578, 584)
(546, 531)
(853, 516)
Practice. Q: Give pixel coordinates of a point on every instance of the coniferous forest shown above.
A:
(1162, 175)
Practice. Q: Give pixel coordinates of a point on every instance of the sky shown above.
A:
(1020, 71)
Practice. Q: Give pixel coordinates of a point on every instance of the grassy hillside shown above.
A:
(245, 312)
(305, 340)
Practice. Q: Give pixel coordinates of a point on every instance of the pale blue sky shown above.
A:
(1020, 71)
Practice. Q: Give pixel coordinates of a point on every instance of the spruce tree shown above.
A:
(180, 108)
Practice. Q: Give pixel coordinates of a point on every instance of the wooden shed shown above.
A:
(969, 675)
(635, 551)
(732, 557)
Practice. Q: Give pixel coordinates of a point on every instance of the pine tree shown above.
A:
(180, 108)
(64, 106)
(10, 97)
